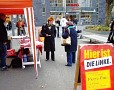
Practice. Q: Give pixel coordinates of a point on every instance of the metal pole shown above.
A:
(13, 28)
(13, 25)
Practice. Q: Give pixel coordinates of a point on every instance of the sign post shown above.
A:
(77, 80)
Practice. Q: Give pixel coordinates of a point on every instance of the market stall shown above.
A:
(10, 7)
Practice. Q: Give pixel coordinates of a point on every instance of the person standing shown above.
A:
(20, 25)
(9, 25)
(49, 32)
(3, 42)
(63, 23)
(70, 49)
(57, 23)
(111, 34)
(112, 25)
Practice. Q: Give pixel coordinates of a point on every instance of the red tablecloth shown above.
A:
(26, 43)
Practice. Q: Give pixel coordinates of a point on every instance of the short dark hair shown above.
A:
(71, 18)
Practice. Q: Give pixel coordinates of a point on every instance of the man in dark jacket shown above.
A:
(112, 25)
(3, 41)
(111, 34)
(70, 49)
(57, 23)
(49, 32)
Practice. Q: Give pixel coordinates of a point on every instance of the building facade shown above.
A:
(86, 11)
(60, 8)
(99, 15)
(93, 11)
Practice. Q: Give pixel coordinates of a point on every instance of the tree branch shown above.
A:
(109, 1)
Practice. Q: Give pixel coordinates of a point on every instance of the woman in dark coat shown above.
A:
(49, 32)
(70, 49)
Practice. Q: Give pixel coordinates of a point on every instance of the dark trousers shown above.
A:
(48, 55)
(71, 56)
(20, 32)
(63, 29)
(3, 51)
(57, 31)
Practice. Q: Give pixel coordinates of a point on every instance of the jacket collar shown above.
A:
(71, 26)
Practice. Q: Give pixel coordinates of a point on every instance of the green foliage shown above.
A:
(98, 28)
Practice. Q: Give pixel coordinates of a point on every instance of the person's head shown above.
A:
(2, 16)
(20, 18)
(50, 20)
(71, 18)
(57, 19)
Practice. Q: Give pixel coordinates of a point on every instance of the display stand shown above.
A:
(31, 62)
(25, 43)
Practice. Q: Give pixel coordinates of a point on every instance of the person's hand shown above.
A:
(49, 27)
(9, 37)
(46, 35)
(5, 42)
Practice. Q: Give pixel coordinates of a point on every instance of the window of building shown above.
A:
(43, 1)
(70, 1)
(67, 1)
(97, 9)
(43, 9)
(60, 1)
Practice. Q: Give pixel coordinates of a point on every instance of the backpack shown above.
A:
(16, 63)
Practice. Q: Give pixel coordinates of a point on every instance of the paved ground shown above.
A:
(52, 75)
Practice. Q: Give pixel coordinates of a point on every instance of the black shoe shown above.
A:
(68, 65)
(4, 68)
(53, 60)
(47, 59)
(73, 62)
(8, 66)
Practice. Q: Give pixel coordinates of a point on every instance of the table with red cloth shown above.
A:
(25, 43)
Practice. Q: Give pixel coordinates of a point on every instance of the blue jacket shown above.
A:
(73, 35)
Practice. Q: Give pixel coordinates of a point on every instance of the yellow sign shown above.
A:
(98, 80)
